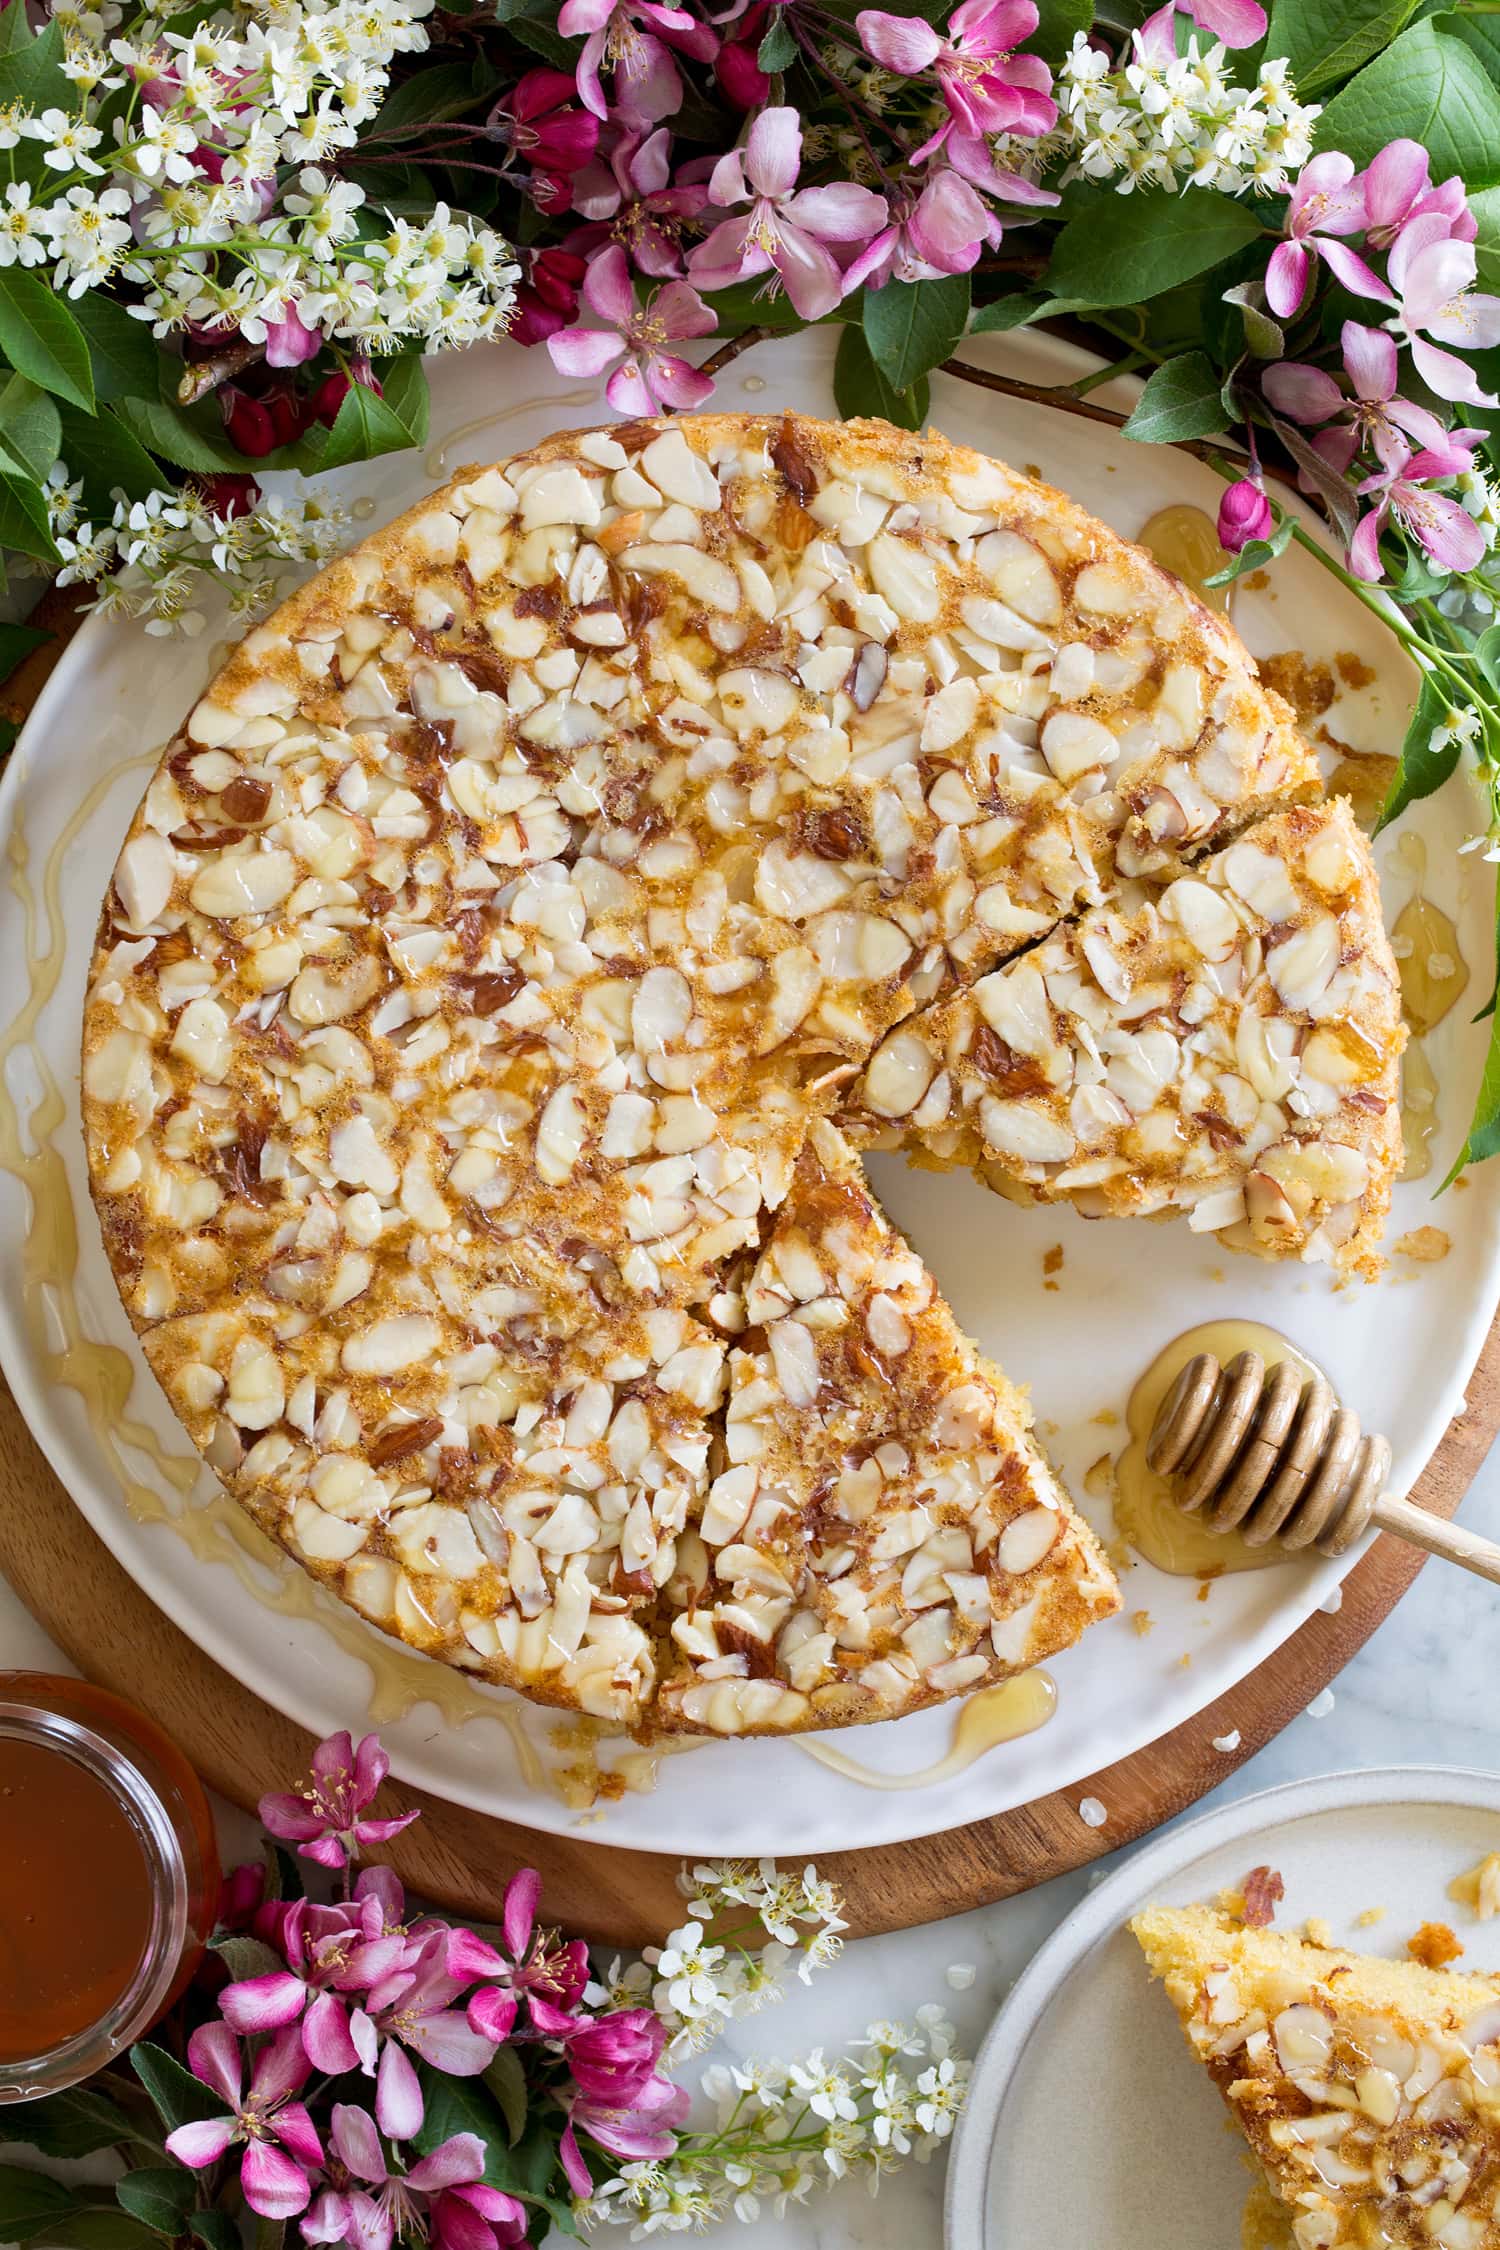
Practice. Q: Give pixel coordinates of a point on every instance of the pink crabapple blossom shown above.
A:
(443, 2200)
(1433, 274)
(280, 2140)
(633, 40)
(788, 229)
(939, 227)
(1237, 23)
(549, 1976)
(648, 377)
(642, 2130)
(1446, 532)
(1327, 201)
(548, 298)
(1375, 416)
(1398, 187)
(634, 200)
(327, 1821)
(986, 85)
(541, 124)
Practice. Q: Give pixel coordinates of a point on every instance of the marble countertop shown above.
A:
(1417, 1694)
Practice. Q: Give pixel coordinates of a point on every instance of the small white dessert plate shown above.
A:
(1089, 2121)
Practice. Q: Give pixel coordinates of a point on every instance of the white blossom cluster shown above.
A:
(207, 194)
(746, 1924)
(784, 2128)
(151, 559)
(1182, 123)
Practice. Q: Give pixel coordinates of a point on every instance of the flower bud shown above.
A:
(247, 423)
(1244, 514)
(741, 79)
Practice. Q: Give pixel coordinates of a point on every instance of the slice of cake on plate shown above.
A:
(1225, 1046)
(1368, 2089)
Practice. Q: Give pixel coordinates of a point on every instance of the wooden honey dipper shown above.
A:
(1275, 1457)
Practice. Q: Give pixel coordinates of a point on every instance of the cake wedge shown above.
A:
(1367, 2089)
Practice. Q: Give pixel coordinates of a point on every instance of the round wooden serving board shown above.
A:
(462, 1860)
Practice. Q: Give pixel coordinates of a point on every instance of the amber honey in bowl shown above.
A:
(108, 1879)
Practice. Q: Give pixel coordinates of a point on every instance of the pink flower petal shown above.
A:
(273, 2185)
(901, 43)
(281, 2068)
(518, 1918)
(1286, 278)
(492, 2011)
(446, 2040)
(682, 312)
(263, 2003)
(1471, 321)
(1349, 267)
(289, 1817)
(808, 273)
(399, 2108)
(606, 287)
(201, 2142)
(1156, 41)
(773, 152)
(214, 2056)
(841, 212)
(729, 254)
(1364, 547)
(1393, 182)
(628, 391)
(297, 2133)
(1448, 532)
(356, 2143)
(1239, 23)
(579, 2177)
(1307, 394)
(333, 1760)
(1369, 360)
(1427, 231)
(676, 383)
(1449, 376)
(584, 351)
(469, 1957)
(456, 2160)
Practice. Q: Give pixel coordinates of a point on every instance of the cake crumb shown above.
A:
(1371, 1916)
(1205, 1589)
(1184, 1662)
(1263, 1890)
(1479, 1888)
(1099, 1478)
(1317, 1931)
(1353, 670)
(1434, 1945)
(1141, 1623)
(1426, 1244)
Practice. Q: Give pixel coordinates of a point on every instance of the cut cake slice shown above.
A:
(1368, 2089)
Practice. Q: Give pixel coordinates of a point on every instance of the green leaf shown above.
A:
(1140, 245)
(1427, 86)
(80, 2122)
(216, 2229)
(30, 2203)
(30, 432)
(860, 388)
(185, 437)
(465, 2105)
(283, 1875)
(1421, 769)
(247, 1957)
(1015, 311)
(1487, 656)
(912, 325)
(1485, 205)
(544, 40)
(1264, 337)
(778, 49)
(101, 2230)
(1181, 400)
(1326, 41)
(404, 382)
(31, 67)
(16, 644)
(24, 523)
(125, 355)
(506, 2080)
(160, 2194)
(176, 2095)
(99, 449)
(426, 98)
(364, 426)
(41, 339)
(1061, 21)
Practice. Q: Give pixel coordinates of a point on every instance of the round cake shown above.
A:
(512, 952)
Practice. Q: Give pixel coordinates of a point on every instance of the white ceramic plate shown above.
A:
(1401, 1350)
(1089, 2120)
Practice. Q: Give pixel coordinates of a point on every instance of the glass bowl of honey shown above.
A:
(109, 1879)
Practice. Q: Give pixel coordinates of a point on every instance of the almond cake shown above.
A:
(497, 950)
(1368, 2090)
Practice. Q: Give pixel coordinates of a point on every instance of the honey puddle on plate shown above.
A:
(1146, 1514)
(215, 1528)
(435, 463)
(1186, 541)
(995, 1715)
(1433, 974)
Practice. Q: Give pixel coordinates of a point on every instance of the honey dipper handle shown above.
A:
(1438, 1536)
